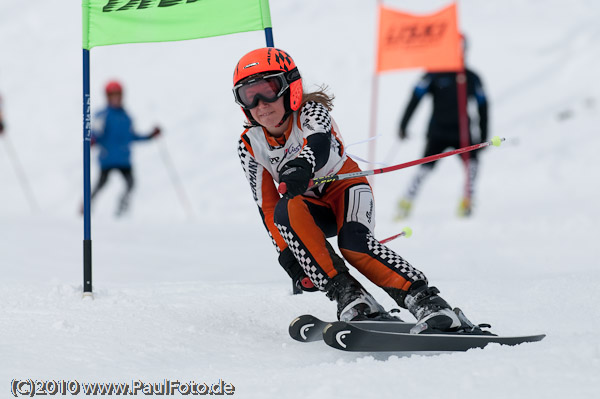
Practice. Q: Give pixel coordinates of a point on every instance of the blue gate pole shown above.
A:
(269, 37)
(87, 133)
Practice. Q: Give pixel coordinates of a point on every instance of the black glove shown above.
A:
(1, 127)
(300, 280)
(295, 174)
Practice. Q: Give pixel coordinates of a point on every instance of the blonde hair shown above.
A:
(319, 96)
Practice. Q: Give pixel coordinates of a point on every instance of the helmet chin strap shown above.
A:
(285, 116)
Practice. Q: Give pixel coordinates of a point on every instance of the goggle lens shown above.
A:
(268, 89)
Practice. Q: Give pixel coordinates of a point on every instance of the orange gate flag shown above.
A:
(419, 41)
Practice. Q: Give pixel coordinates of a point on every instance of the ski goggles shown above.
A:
(267, 88)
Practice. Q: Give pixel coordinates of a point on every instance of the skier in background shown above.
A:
(112, 131)
(443, 131)
(290, 138)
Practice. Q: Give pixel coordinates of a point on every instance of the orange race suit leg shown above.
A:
(345, 209)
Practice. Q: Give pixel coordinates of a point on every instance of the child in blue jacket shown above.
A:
(112, 131)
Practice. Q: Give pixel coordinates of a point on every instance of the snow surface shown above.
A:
(202, 297)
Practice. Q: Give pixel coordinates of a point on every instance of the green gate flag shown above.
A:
(108, 22)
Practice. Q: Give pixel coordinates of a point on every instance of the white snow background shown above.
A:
(203, 298)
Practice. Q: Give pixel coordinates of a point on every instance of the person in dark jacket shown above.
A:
(112, 131)
(443, 131)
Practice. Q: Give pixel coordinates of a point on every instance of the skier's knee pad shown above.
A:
(281, 216)
(353, 236)
(288, 209)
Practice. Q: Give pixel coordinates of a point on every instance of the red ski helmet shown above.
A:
(260, 63)
(113, 87)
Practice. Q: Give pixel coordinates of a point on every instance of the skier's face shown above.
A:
(269, 115)
(115, 99)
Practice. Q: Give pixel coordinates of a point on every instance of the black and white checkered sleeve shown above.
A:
(315, 118)
(316, 125)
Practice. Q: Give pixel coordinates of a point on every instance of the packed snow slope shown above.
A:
(198, 294)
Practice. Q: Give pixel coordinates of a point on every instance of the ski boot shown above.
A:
(404, 207)
(464, 208)
(354, 303)
(433, 313)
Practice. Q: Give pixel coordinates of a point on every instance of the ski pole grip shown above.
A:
(282, 188)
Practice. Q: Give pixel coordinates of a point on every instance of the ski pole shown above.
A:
(406, 232)
(175, 180)
(496, 141)
(22, 177)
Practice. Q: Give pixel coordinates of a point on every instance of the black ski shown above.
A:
(308, 328)
(350, 337)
